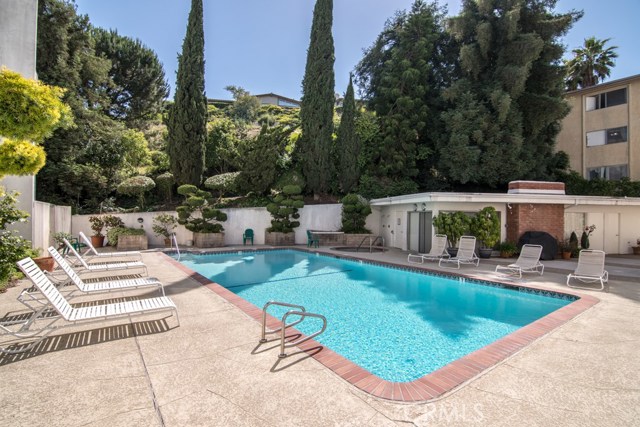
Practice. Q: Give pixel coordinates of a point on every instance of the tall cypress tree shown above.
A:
(507, 106)
(316, 112)
(187, 119)
(348, 143)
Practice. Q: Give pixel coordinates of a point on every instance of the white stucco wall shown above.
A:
(312, 217)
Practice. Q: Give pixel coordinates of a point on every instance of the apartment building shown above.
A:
(601, 134)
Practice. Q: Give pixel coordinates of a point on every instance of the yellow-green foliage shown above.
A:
(20, 158)
(29, 109)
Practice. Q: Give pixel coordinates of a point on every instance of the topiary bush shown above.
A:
(164, 183)
(136, 186)
(199, 213)
(113, 233)
(224, 183)
(20, 157)
(355, 210)
(284, 209)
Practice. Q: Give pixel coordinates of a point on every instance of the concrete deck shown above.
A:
(211, 372)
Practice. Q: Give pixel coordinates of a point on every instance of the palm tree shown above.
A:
(591, 63)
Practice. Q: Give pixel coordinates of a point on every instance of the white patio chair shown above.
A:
(92, 252)
(466, 253)
(438, 250)
(105, 285)
(590, 269)
(42, 323)
(102, 267)
(527, 262)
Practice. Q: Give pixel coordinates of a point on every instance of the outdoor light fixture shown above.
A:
(140, 221)
(424, 207)
(415, 207)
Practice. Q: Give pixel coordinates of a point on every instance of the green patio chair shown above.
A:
(312, 240)
(248, 235)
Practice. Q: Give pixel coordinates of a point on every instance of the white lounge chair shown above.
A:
(527, 262)
(106, 285)
(590, 268)
(69, 315)
(438, 250)
(102, 267)
(92, 252)
(466, 253)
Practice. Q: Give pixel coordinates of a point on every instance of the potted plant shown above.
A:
(60, 237)
(584, 239)
(565, 248)
(573, 243)
(46, 263)
(507, 249)
(486, 227)
(97, 225)
(453, 225)
(355, 210)
(200, 216)
(636, 249)
(163, 225)
(284, 211)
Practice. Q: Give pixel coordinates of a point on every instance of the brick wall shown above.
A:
(534, 217)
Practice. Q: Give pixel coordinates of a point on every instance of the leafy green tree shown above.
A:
(12, 247)
(347, 143)
(402, 76)
(245, 106)
(590, 64)
(506, 107)
(187, 119)
(136, 186)
(221, 149)
(164, 183)
(261, 159)
(316, 112)
(139, 86)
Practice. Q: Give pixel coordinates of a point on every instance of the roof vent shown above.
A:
(536, 187)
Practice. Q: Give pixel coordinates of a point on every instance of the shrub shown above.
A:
(12, 246)
(486, 226)
(224, 183)
(136, 186)
(355, 210)
(164, 224)
(199, 202)
(113, 233)
(165, 184)
(292, 177)
(284, 209)
(453, 225)
(373, 187)
(20, 157)
(99, 222)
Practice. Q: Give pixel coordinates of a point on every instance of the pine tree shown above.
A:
(187, 119)
(316, 112)
(507, 105)
(348, 143)
(402, 75)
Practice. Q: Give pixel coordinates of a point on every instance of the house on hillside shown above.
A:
(279, 100)
(601, 134)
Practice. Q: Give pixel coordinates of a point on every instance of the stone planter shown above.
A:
(355, 239)
(132, 243)
(208, 240)
(277, 238)
(452, 252)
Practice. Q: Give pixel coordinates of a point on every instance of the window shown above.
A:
(609, 173)
(607, 136)
(607, 99)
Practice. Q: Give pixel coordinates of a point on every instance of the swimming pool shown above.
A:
(399, 325)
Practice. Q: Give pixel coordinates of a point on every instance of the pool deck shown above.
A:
(211, 370)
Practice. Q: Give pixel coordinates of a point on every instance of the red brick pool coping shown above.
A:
(437, 383)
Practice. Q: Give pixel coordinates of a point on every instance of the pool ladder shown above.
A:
(371, 243)
(298, 311)
(174, 241)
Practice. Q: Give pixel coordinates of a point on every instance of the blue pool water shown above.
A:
(397, 324)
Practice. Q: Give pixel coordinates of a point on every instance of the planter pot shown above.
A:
(46, 263)
(636, 250)
(504, 254)
(132, 243)
(452, 252)
(484, 252)
(277, 238)
(566, 255)
(208, 240)
(97, 241)
(167, 242)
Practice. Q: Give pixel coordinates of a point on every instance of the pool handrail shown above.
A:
(263, 338)
(302, 315)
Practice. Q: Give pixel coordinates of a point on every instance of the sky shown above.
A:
(261, 45)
